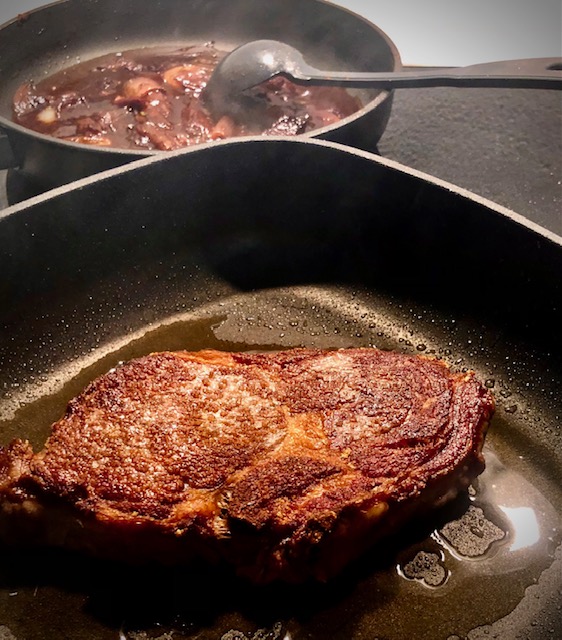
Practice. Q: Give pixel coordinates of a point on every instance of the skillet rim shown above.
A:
(498, 209)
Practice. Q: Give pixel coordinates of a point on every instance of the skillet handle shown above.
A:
(528, 73)
(7, 158)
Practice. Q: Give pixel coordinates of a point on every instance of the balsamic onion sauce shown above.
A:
(151, 98)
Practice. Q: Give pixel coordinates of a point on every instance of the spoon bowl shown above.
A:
(248, 66)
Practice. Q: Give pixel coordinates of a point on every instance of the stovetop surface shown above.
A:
(502, 144)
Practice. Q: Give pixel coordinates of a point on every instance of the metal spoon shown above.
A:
(255, 62)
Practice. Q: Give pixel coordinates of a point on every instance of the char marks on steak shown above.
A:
(286, 465)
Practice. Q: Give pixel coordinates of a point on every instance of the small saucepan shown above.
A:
(42, 42)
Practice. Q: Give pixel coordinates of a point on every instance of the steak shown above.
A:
(286, 465)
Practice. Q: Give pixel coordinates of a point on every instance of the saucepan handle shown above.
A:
(7, 158)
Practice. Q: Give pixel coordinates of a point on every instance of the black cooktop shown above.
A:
(503, 144)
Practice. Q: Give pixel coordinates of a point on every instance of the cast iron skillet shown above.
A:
(259, 245)
(42, 42)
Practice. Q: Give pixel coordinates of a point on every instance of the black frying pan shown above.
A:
(44, 41)
(275, 244)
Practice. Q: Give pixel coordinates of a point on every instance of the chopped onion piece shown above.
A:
(47, 116)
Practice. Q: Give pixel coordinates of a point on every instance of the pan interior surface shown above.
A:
(300, 262)
(498, 539)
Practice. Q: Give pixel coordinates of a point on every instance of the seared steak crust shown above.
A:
(285, 464)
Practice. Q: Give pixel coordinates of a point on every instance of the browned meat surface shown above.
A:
(151, 99)
(286, 465)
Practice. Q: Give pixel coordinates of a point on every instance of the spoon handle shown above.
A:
(529, 73)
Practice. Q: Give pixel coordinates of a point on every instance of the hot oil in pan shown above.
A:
(468, 566)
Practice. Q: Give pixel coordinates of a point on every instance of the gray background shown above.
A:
(443, 32)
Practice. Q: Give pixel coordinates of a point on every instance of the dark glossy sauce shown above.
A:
(151, 99)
